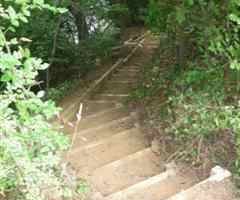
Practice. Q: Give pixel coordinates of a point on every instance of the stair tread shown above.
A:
(159, 187)
(217, 186)
(129, 69)
(127, 171)
(123, 78)
(125, 74)
(102, 118)
(110, 97)
(121, 89)
(129, 82)
(113, 95)
(215, 190)
(164, 189)
(90, 108)
(105, 130)
(108, 150)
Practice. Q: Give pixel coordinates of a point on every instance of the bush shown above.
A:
(29, 146)
(196, 106)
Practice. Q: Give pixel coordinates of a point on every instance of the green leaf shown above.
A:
(6, 77)
(25, 52)
(14, 41)
(190, 2)
(26, 12)
(40, 94)
(15, 22)
(21, 1)
(39, 2)
(23, 39)
(2, 39)
(62, 10)
(23, 18)
(234, 18)
(12, 13)
(180, 15)
(8, 61)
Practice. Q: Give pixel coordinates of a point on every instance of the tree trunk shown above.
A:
(80, 20)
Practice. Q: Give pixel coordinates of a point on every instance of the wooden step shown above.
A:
(102, 118)
(102, 112)
(127, 171)
(123, 82)
(123, 78)
(103, 131)
(128, 74)
(118, 88)
(114, 91)
(130, 67)
(217, 186)
(102, 152)
(89, 108)
(110, 97)
(92, 107)
(134, 69)
(158, 187)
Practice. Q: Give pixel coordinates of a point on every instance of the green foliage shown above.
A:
(191, 105)
(198, 106)
(137, 10)
(200, 79)
(56, 93)
(29, 152)
(82, 187)
(157, 15)
(71, 50)
(199, 114)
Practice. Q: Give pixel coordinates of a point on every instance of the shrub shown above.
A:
(29, 146)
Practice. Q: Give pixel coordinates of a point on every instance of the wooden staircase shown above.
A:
(113, 155)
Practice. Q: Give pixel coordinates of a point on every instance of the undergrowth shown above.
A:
(61, 90)
(193, 108)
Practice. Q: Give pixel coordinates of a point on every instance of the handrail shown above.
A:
(106, 74)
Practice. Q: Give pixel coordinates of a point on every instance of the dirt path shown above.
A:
(114, 157)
